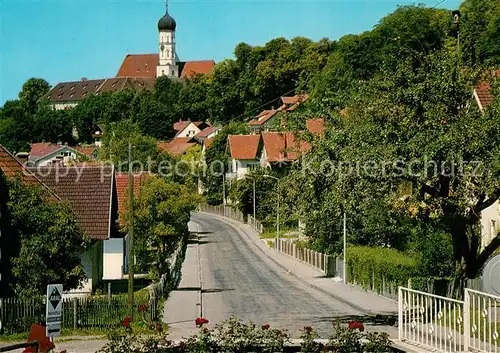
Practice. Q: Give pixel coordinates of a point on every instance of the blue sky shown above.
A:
(65, 40)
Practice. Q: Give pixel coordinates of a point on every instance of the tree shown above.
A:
(32, 91)
(16, 126)
(48, 240)
(480, 32)
(422, 120)
(146, 155)
(162, 213)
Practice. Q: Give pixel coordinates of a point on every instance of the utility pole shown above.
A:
(345, 249)
(254, 199)
(278, 209)
(131, 255)
(456, 20)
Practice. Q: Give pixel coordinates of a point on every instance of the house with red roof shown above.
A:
(245, 152)
(264, 121)
(178, 146)
(44, 154)
(187, 128)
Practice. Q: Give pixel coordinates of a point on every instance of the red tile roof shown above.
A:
(244, 146)
(292, 103)
(178, 146)
(139, 65)
(122, 192)
(262, 117)
(89, 192)
(144, 65)
(193, 68)
(315, 126)
(12, 168)
(206, 131)
(484, 94)
(281, 147)
(42, 149)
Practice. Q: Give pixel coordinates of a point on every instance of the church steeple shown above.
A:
(166, 28)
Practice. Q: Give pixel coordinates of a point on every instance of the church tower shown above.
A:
(168, 58)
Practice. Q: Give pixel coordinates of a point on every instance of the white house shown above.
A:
(244, 151)
(189, 128)
(44, 154)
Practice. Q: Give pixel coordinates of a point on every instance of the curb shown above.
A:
(340, 299)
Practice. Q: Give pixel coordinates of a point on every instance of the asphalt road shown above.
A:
(238, 280)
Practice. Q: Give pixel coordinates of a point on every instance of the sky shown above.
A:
(66, 40)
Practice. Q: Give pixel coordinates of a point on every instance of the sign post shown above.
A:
(54, 310)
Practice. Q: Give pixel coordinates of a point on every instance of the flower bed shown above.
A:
(234, 336)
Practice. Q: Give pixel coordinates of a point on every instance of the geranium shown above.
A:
(200, 321)
(266, 326)
(308, 329)
(143, 307)
(126, 322)
(356, 325)
(159, 327)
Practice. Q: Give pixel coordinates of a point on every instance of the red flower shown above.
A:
(126, 322)
(143, 307)
(200, 321)
(159, 327)
(266, 327)
(308, 329)
(356, 325)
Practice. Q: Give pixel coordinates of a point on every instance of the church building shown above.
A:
(137, 72)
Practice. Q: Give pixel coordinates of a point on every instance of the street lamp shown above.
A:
(278, 209)
(223, 189)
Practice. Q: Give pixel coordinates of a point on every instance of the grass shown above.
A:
(271, 234)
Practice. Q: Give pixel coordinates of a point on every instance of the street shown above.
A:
(239, 280)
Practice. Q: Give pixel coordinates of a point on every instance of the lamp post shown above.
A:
(223, 189)
(278, 209)
(131, 254)
(345, 249)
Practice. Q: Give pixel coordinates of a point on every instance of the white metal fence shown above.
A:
(442, 324)
(482, 321)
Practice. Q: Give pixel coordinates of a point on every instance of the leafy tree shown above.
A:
(480, 30)
(16, 126)
(32, 91)
(162, 213)
(153, 117)
(52, 125)
(48, 240)
(146, 155)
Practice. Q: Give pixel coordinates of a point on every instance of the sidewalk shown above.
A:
(366, 302)
(184, 304)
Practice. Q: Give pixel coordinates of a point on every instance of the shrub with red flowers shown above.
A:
(142, 308)
(266, 326)
(308, 344)
(353, 325)
(200, 321)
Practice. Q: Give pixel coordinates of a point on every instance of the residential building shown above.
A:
(293, 102)
(207, 133)
(244, 151)
(177, 146)
(98, 135)
(91, 193)
(43, 154)
(281, 148)
(189, 128)
(265, 121)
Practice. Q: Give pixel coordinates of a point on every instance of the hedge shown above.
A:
(378, 268)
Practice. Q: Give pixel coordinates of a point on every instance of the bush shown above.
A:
(370, 266)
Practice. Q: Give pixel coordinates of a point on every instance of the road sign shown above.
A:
(53, 311)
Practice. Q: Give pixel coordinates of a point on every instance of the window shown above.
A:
(253, 166)
(493, 228)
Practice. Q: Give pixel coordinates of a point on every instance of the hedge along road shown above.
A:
(239, 280)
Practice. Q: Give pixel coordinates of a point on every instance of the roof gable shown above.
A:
(88, 190)
(121, 180)
(280, 147)
(263, 117)
(139, 65)
(244, 146)
(483, 92)
(12, 168)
